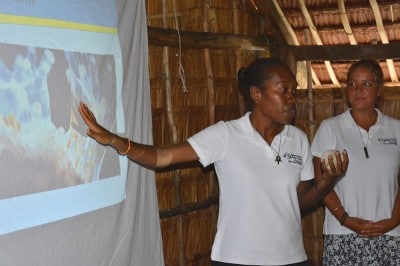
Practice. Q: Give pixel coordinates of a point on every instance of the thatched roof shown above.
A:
(344, 30)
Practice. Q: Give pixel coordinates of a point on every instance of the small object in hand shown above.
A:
(326, 155)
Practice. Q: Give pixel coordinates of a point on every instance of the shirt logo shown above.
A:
(293, 158)
(388, 141)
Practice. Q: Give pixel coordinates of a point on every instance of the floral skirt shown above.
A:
(352, 250)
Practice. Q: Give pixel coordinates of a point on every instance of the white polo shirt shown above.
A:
(370, 185)
(259, 220)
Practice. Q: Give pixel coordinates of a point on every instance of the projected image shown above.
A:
(43, 142)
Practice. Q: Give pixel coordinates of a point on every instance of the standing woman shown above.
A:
(363, 211)
(263, 164)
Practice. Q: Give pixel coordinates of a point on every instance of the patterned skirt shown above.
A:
(352, 250)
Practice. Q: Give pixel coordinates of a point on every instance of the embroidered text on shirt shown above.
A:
(293, 158)
(388, 141)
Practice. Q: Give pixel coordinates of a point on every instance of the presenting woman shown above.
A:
(263, 164)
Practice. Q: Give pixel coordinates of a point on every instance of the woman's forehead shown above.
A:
(280, 73)
(361, 71)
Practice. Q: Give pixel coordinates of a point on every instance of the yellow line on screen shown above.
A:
(46, 22)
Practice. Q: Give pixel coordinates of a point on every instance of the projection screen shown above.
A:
(55, 54)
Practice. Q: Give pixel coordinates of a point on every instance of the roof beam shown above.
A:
(276, 12)
(384, 37)
(346, 23)
(282, 34)
(347, 52)
(198, 40)
(270, 20)
(317, 39)
(273, 9)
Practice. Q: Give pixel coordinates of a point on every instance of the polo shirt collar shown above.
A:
(250, 131)
(349, 121)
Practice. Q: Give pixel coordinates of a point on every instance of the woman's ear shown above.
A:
(255, 94)
(380, 91)
(379, 97)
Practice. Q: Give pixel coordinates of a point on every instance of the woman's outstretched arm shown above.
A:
(146, 155)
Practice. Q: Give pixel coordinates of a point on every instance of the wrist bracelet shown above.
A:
(127, 150)
(343, 218)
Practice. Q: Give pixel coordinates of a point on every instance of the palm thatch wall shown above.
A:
(193, 85)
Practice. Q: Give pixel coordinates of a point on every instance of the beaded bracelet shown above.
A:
(127, 150)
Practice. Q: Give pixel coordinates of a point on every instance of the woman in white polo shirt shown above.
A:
(363, 212)
(264, 167)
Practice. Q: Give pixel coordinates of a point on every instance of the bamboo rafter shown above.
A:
(318, 40)
(384, 37)
(291, 38)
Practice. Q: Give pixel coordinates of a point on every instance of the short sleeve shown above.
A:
(307, 172)
(211, 143)
(323, 140)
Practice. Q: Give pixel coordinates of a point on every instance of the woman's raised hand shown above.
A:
(95, 131)
(334, 168)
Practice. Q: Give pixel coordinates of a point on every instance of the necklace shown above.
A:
(278, 158)
(364, 143)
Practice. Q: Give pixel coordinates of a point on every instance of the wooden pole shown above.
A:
(209, 71)
(210, 87)
(211, 40)
(167, 84)
(173, 134)
(238, 57)
(310, 96)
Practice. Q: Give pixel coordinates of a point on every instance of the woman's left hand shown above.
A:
(378, 228)
(331, 174)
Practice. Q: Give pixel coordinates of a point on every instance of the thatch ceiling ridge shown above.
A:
(357, 14)
(342, 22)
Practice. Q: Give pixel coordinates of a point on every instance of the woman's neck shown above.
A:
(267, 129)
(365, 119)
